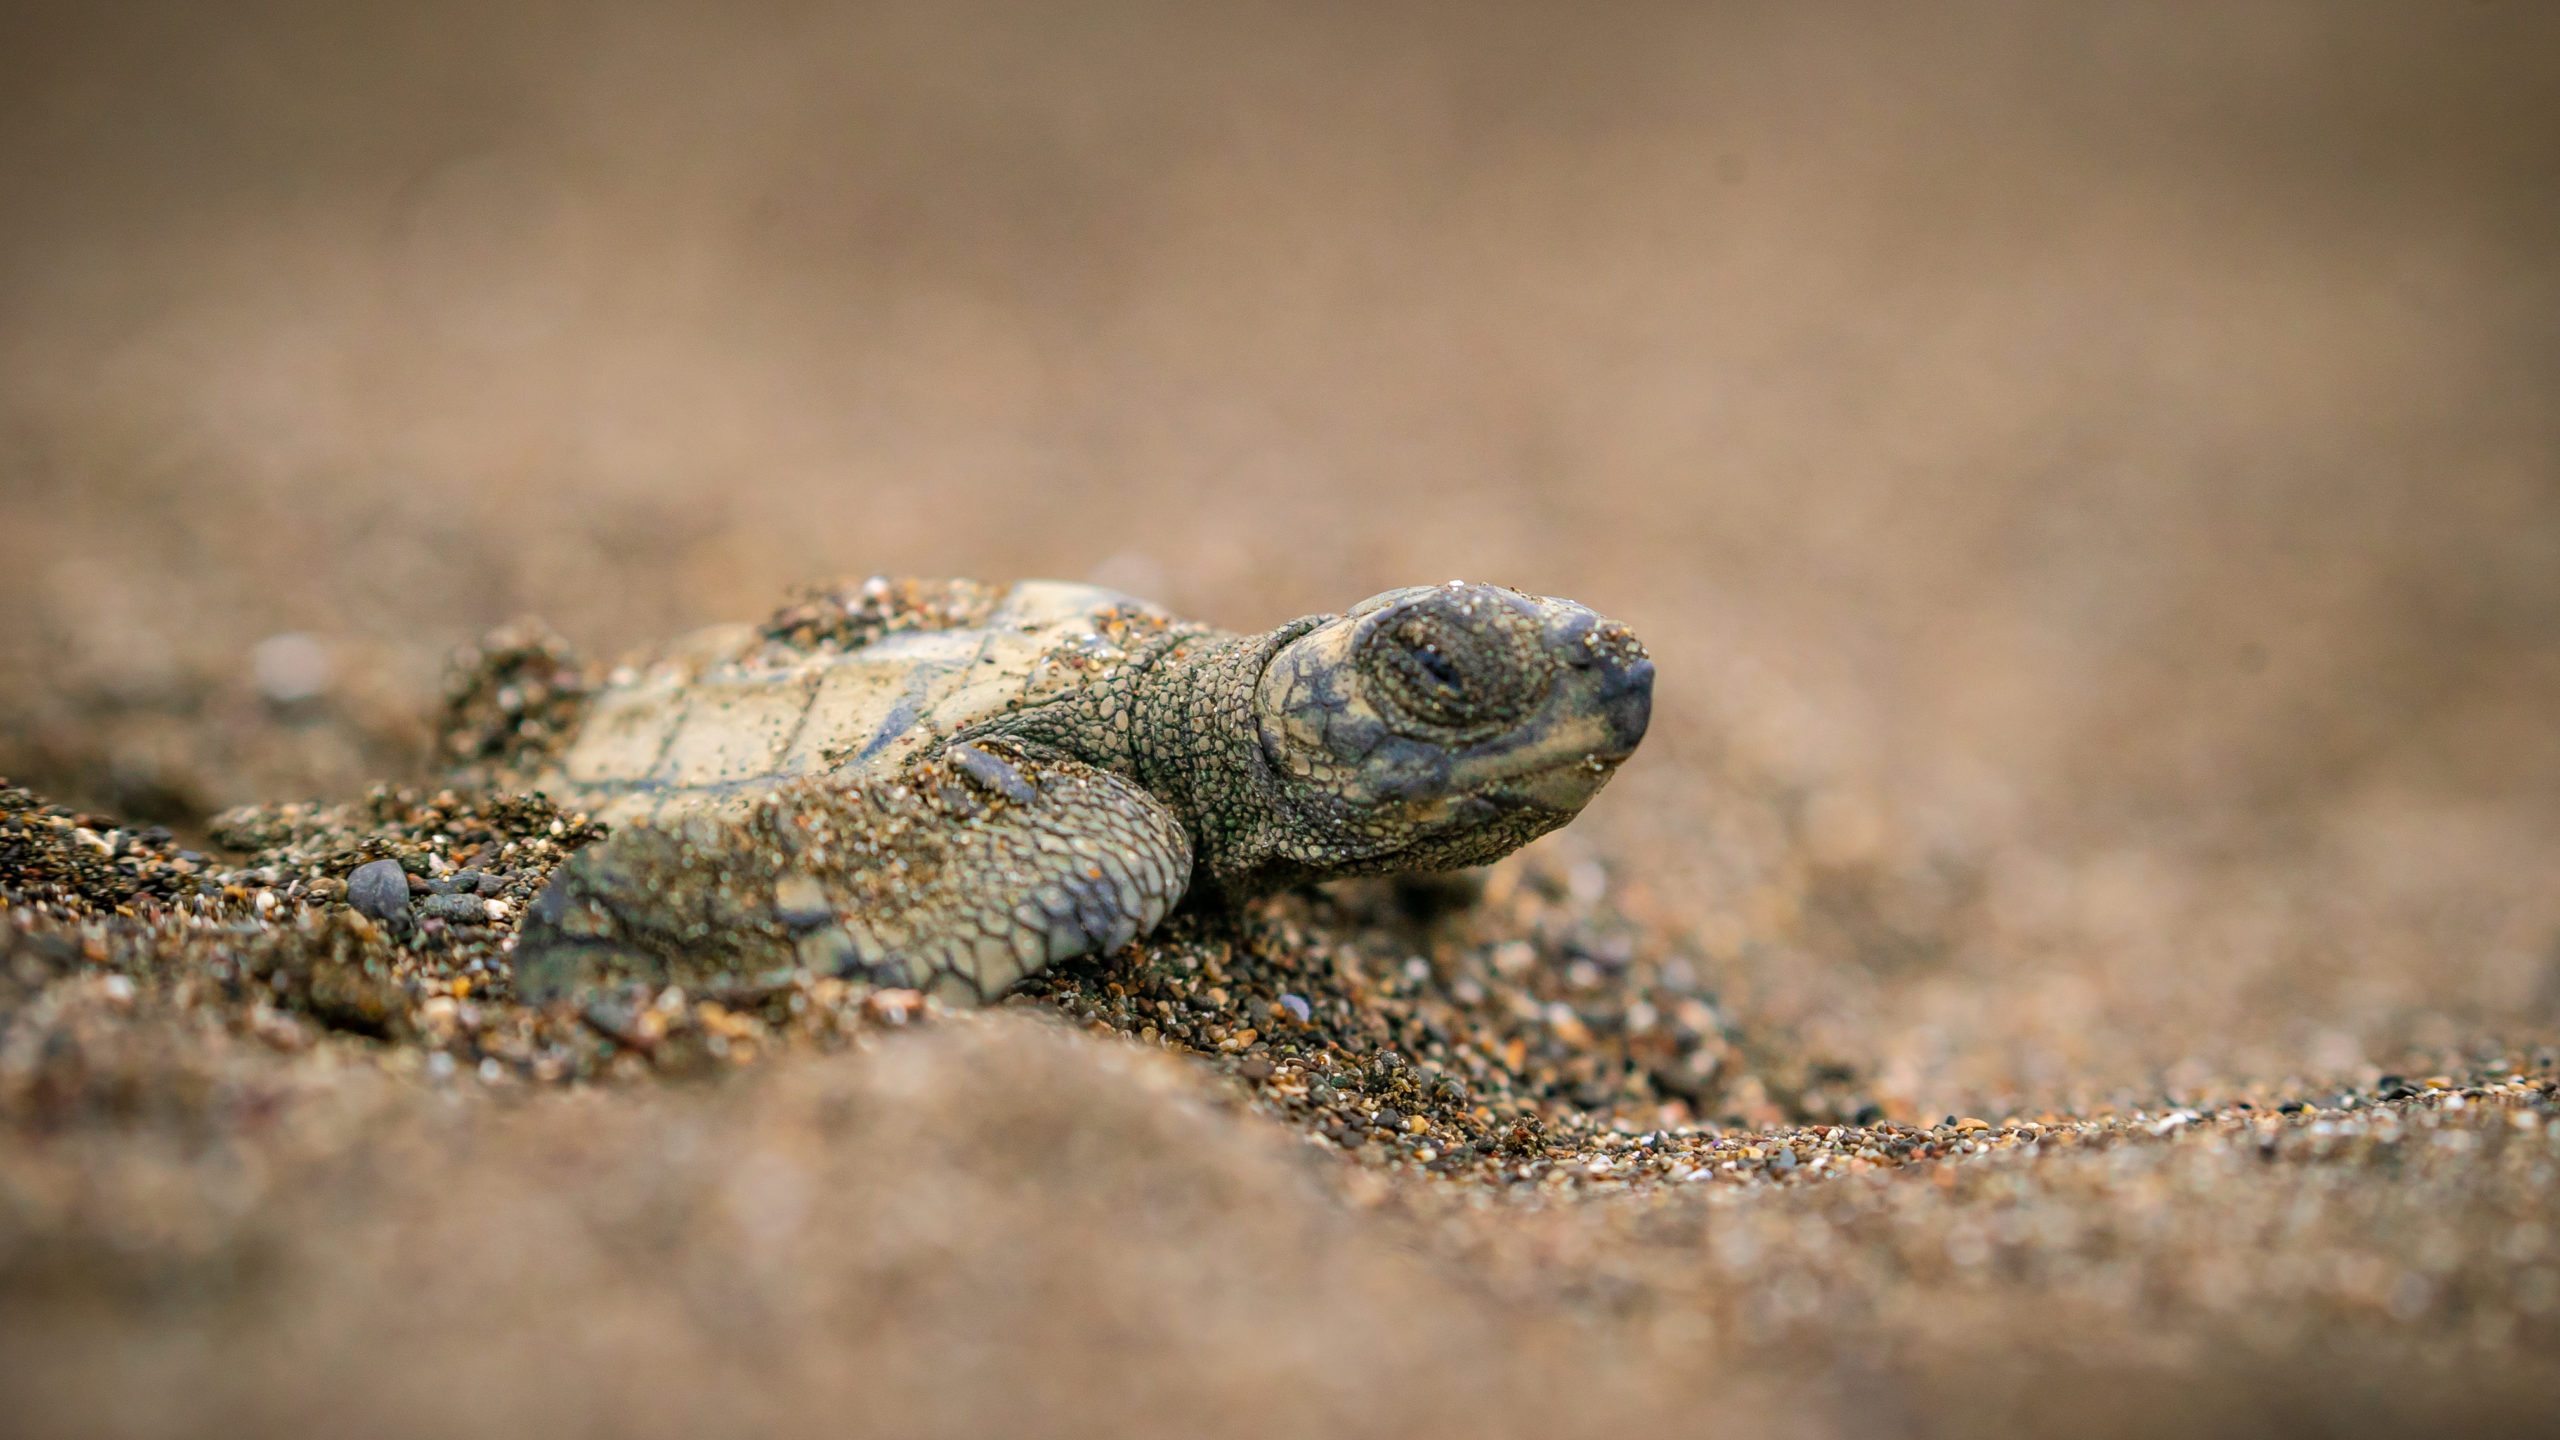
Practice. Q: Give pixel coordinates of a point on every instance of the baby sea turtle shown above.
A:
(943, 785)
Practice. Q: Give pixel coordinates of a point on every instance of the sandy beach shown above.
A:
(2077, 952)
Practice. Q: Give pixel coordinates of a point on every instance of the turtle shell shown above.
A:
(855, 685)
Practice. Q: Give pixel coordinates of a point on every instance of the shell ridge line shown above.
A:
(814, 681)
(901, 716)
(666, 745)
(682, 717)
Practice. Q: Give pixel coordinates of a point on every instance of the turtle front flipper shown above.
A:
(960, 876)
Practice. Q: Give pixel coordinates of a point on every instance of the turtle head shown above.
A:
(1445, 725)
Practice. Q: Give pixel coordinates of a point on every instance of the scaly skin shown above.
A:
(1177, 722)
(1426, 729)
(972, 870)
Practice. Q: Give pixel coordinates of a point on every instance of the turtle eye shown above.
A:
(1453, 671)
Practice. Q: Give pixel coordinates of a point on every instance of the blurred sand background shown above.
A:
(2106, 460)
(2090, 476)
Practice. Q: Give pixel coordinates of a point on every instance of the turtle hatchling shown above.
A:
(947, 786)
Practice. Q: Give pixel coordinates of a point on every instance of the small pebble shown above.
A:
(290, 668)
(379, 889)
(1297, 1008)
(456, 909)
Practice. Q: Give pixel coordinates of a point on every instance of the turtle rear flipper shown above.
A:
(968, 872)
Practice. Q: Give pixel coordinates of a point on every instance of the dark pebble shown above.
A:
(1255, 1068)
(456, 909)
(379, 889)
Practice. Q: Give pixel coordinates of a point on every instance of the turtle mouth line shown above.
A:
(1559, 785)
(1589, 762)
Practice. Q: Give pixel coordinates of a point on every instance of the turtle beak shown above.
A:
(1612, 673)
(1595, 719)
(1626, 690)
